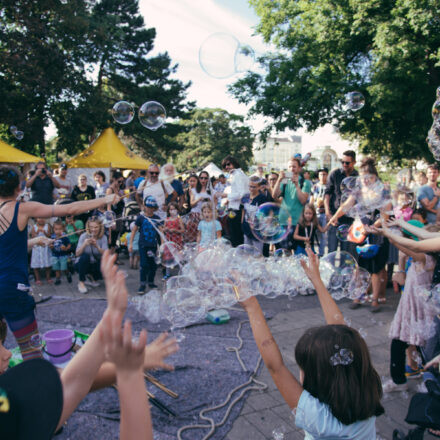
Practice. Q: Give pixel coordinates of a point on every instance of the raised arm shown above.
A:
(418, 232)
(332, 313)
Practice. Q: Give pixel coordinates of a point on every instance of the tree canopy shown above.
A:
(387, 50)
(70, 62)
(210, 135)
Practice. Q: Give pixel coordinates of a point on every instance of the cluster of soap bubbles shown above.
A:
(208, 280)
(16, 132)
(363, 194)
(433, 138)
(222, 55)
(354, 101)
(343, 356)
(152, 114)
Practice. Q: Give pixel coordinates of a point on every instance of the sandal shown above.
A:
(375, 308)
(38, 283)
(381, 300)
(49, 281)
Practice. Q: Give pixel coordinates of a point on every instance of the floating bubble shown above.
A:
(152, 115)
(271, 223)
(218, 55)
(19, 135)
(403, 177)
(13, 129)
(244, 58)
(354, 101)
(109, 219)
(338, 271)
(170, 254)
(149, 305)
(282, 253)
(349, 184)
(342, 232)
(367, 250)
(123, 112)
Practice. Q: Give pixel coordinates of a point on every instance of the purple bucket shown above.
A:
(59, 345)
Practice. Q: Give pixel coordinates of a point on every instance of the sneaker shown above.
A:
(412, 374)
(69, 278)
(152, 286)
(141, 289)
(57, 282)
(390, 387)
(91, 282)
(82, 289)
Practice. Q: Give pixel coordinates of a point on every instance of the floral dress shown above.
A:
(41, 255)
(413, 316)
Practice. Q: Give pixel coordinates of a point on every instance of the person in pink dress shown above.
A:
(173, 229)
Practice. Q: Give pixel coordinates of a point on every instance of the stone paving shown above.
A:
(266, 411)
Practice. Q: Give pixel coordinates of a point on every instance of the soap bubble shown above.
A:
(123, 112)
(244, 58)
(403, 177)
(354, 101)
(149, 305)
(342, 232)
(349, 184)
(338, 270)
(170, 254)
(218, 55)
(19, 135)
(109, 219)
(270, 223)
(152, 115)
(13, 129)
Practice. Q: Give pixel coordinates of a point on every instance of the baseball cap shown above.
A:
(414, 223)
(31, 401)
(64, 166)
(150, 202)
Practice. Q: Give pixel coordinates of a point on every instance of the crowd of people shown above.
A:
(68, 232)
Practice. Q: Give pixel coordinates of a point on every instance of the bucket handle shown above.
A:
(62, 354)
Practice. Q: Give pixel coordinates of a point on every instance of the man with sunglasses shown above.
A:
(332, 201)
(160, 190)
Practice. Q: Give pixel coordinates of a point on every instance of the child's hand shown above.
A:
(311, 269)
(116, 289)
(158, 350)
(435, 362)
(119, 347)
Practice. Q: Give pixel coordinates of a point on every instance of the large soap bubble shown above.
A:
(150, 305)
(354, 101)
(342, 232)
(270, 223)
(13, 129)
(19, 135)
(217, 55)
(109, 219)
(221, 55)
(123, 112)
(152, 115)
(170, 254)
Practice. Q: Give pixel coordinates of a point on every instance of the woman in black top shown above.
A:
(82, 192)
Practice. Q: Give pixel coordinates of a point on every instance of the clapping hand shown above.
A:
(158, 350)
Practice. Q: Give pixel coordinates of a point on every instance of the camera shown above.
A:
(288, 174)
(43, 170)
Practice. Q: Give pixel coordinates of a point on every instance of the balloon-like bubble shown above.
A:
(170, 254)
(109, 219)
(354, 101)
(150, 306)
(152, 115)
(342, 232)
(19, 135)
(244, 58)
(217, 55)
(123, 112)
(270, 223)
(13, 129)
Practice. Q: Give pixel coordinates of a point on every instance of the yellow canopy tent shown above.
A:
(108, 152)
(10, 154)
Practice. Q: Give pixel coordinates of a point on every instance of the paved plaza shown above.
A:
(266, 411)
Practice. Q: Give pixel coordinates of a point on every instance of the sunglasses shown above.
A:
(154, 173)
(203, 178)
(345, 163)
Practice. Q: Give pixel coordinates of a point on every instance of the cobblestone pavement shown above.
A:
(266, 411)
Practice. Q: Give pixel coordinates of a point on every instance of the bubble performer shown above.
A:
(16, 304)
(320, 401)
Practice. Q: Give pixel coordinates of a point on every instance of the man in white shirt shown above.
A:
(66, 184)
(239, 187)
(160, 190)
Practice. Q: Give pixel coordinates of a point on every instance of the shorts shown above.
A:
(59, 263)
(16, 303)
(135, 253)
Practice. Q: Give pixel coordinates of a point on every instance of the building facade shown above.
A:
(276, 152)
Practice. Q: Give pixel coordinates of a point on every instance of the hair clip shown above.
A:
(344, 356)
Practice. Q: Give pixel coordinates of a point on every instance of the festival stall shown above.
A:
(11, 155)
(106, 153)
(213, 170)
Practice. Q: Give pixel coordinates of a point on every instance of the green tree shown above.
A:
(210, 135)
(389, 51)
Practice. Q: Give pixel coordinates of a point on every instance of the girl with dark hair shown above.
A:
(306, 230)
(16, 304)
(100, 184)
(338, 392)
(192, 218)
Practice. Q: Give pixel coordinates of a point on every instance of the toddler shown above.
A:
(209, 228)
(60, 251)
(134, 255)
(41, 255)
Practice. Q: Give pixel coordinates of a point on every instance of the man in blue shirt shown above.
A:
(429, 195)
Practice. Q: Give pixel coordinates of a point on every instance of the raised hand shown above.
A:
(433, 362)
(156, 352)
(114, 283)
(312, 268)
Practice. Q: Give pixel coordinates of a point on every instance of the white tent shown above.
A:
(213, 170)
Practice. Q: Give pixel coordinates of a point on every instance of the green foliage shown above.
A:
(74, 60)
(210, 135)
(389, 51)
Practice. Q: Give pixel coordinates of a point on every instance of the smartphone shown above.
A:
(43, 171)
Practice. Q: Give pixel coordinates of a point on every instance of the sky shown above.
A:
(182, 26)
